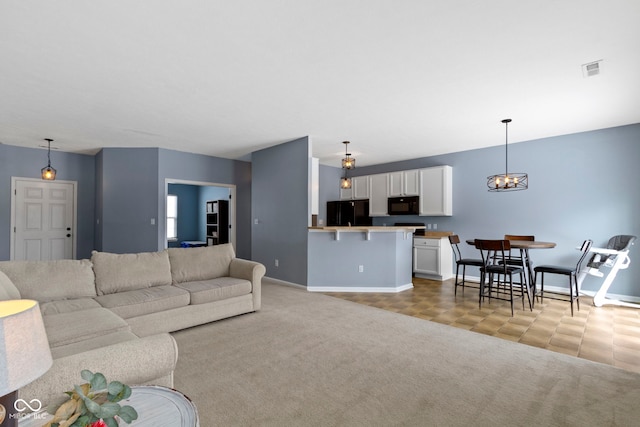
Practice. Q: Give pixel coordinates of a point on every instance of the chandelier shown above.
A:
(513, 181)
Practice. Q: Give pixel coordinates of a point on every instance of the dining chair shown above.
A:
(571, 272)
(454, 240)
(520, 259)
(500, 274)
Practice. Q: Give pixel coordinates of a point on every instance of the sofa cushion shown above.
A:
(67, 306)
(68, 328)
(203, 263)
(216, 289)
(51, 280)
(126, 272)
(7, 289)
(88, 344)
(144, 301)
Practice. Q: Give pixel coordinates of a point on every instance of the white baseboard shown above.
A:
(359, 289)
(284, 282)
(565, 290)
(342, 288)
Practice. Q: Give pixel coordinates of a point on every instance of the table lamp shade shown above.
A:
(24, 348)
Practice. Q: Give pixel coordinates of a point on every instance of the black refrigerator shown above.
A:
(348, 212)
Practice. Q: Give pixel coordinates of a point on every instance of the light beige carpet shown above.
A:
(308, 359)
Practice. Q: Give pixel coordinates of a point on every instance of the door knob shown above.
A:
(68, 235)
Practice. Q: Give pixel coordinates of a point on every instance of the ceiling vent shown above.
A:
(592, 68)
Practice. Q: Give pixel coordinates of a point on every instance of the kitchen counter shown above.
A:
(367, 229)
(360, 259)
(430, 234)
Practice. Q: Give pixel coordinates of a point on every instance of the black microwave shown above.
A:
(403, 205)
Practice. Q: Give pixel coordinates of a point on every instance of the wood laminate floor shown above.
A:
(607, 334)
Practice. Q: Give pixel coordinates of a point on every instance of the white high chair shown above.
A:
(616, 257)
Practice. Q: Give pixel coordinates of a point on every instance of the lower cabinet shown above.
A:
(432, 258)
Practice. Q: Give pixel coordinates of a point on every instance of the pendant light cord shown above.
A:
(48, 151)
(506, 146)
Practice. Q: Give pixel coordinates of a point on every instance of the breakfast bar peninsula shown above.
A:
(360, 259)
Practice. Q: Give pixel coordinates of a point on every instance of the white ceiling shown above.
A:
(399, 79)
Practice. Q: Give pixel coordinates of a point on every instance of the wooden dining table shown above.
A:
(524, 246)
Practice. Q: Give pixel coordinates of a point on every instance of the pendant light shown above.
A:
(347, 163)
(48, 173)
(513, 181)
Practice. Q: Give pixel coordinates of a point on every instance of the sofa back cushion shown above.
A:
(203, 263)
(7, 289)
(51, 280)
(127, 272)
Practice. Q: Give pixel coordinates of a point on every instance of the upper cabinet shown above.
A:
(379, 194)
(404, 183)
(436, 191)
(433, 186)
(359, 189)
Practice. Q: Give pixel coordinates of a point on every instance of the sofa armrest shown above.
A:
(133, 362)
(8, 290)
(252, 271)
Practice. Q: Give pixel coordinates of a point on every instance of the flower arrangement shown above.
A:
(94, 404)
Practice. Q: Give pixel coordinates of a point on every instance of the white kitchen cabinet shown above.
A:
(436, 191)
(404, 183)
(378, 195)
(359, 189)
(432, 258)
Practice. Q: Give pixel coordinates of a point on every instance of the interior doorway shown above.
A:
(43, 219)
(192, 198)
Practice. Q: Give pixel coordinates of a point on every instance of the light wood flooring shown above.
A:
(607, 334)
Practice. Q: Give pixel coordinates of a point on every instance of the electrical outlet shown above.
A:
(428, 226)
(277, 263)
(435, 226)
(361, 269)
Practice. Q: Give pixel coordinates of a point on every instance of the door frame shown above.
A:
(232, 204)
(74, 226)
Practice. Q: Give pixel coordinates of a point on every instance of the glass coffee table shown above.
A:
(156, 407)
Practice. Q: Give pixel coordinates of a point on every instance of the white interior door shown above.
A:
(43, 217)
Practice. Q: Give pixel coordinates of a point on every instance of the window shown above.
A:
(172, 217)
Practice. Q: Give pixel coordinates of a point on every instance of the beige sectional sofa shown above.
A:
(113, 313)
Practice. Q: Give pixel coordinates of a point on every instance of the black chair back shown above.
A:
(493, 251)
(454, 240)
(586, 245)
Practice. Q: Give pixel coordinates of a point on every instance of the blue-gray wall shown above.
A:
(580, 186)
(130, 200)
(280, 205)
(26, 163)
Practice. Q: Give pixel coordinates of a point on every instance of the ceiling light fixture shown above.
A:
(347, 163)
(48, 173)
(508, 181)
